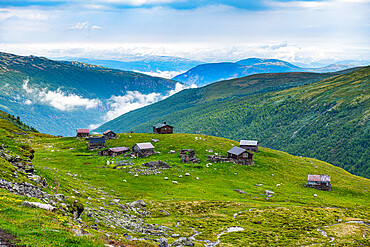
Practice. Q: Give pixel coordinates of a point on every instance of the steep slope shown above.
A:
(56, 98)
(327, 120)
(207, 73)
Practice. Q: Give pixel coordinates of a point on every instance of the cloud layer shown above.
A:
(58, 99)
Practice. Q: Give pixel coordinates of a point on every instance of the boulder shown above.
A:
(39, 205)
(269, 192)
(182, 242)
(162, 242)
(157, 164)
(137, 204)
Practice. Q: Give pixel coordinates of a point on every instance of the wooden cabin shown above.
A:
(96, 142)
(113, 152)
(82, 133)
(143, 149)
(250, 145)
(109, 135)
(162, 128)
(321, 182)
(239, 154)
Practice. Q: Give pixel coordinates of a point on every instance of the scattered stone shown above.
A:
(239, 191)
(172, 152)
(137, 204)
(180, 176)
(39, 205)
(155, 140)
(124, 180)
(314, 195)
(259, 184)
(136, 175)
(162, 242)
(174, 182)
(94, 226)
(183, 241)
(157, 164)
(196, 178)
(165, 178)
(269, 192)
(59, 197)
(188, 156)
(115, 200)
(278, 185)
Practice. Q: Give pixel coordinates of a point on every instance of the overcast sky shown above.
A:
(205, 30)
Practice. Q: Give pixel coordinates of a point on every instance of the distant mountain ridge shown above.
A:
(211, 72)
(320, 115)
(57, 98)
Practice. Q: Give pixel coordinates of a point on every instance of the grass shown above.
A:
(209, 205)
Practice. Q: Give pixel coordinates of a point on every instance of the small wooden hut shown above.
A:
(320, 182)
(95, 143)
(82, 133)
(109, 135)
(113, 152)
(239, 154)
(162, 128)
(143, 149)
(250, 145)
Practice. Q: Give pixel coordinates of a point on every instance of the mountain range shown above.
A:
(212, 72)
(323, 115)
(56, 98)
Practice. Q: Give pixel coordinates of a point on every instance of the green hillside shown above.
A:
(57, 98)
(327, 120)
(207, 205)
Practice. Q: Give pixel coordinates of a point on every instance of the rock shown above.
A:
(39, 205)
(138, 204)
(157, 164)
(188, 156)
(136, 175)
(174, 182)
(239, 191)
(182, 242)
(269, 192)
(314, 195)
(197, 178)
(180, 176)
(278, 185)
(124, 180)
(165, 212)
(94, 226)
(165, 178)
(259, 184)
(187, 174)
(162, 242)
(172, 152)
(115, 200)
(59, 197)
(155, 140)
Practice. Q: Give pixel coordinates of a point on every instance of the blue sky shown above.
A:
(209, 30)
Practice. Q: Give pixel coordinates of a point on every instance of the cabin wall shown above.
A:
(250, 148)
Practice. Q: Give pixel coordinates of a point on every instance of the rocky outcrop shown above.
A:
(39, 205)
(157, 164)
(182, 242)
(188, 156)
(24, 189)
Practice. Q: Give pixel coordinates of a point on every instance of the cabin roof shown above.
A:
(119, 149)
(160, 125)
(107, 131)
(237, 150)
(248, 143)
(319, 178)
(83, 131)
(96, 140)
(145, 145)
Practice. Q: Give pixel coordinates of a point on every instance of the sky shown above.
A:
(301, 32)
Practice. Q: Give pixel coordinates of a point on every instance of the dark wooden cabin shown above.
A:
(320, 182)
(162, 128)
(109, 135)
(239, 154)
(82, 133)
(113, 152)
(96, 143)
(249, 145)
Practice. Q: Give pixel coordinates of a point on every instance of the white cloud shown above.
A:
(136, 2)
(84, 26)
(162, 74)
(133, 100)
(28, 102)
(59, 99)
